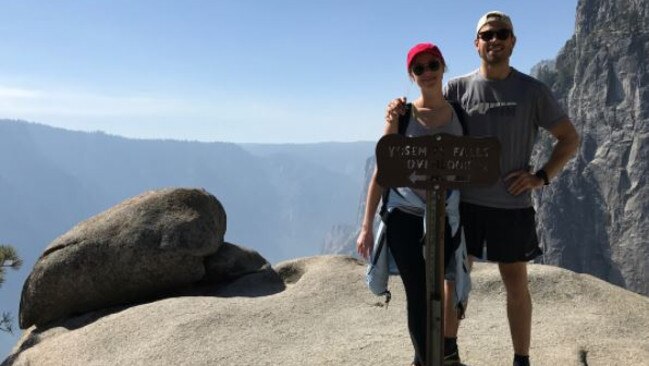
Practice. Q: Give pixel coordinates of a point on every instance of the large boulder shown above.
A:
(137, 250)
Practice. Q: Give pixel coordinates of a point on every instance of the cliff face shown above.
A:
(594, 219)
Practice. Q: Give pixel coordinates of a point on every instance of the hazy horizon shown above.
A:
(240, 71)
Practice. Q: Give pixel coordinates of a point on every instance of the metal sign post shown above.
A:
(436, 163)
(435, 214)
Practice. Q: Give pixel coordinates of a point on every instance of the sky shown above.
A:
(280, 71)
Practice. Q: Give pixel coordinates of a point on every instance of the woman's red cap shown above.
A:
(424, 48)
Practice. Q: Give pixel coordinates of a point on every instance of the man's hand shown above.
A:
(522, 181)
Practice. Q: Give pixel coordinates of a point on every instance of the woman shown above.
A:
(430, 114)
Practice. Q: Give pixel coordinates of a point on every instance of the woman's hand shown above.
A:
(365, 243)
(395, 109)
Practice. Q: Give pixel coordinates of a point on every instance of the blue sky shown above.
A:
(240, 70)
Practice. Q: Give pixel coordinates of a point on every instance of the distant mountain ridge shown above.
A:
(281, 200)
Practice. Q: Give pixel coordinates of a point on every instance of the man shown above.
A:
(498, 221)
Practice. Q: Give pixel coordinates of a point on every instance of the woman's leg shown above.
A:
(404, 237)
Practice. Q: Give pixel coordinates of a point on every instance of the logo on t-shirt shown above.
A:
(503, 109)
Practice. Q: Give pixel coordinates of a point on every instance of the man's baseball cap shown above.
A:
(423, 48)
(494, 16)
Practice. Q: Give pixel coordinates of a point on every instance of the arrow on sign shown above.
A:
(414, 177)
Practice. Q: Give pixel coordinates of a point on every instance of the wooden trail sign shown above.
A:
(454, 161)
(436, 163)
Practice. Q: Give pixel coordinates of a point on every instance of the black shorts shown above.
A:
(509, 235)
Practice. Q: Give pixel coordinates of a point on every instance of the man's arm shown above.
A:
(565, 148)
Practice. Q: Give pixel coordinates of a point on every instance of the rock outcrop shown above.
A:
(233, 308)
(155, 242)
(595, 217)
(325, 315)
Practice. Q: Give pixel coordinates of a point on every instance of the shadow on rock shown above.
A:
(264, 282)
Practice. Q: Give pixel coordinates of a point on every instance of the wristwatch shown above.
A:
(543, 175)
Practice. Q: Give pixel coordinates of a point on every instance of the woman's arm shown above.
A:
(365, 240)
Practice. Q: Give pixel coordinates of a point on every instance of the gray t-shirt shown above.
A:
(415, 128)
(511, 110)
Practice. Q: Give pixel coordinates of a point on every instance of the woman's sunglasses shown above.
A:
(419, 69)
(501, 34)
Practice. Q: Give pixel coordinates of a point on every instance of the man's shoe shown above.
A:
(452, 358)
(521, 360)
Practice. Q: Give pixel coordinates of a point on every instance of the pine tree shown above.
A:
(8, 259)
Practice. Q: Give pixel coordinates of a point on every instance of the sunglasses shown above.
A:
(419, 69)
(501, 34)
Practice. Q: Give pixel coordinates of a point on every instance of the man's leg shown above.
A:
(519, 305)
